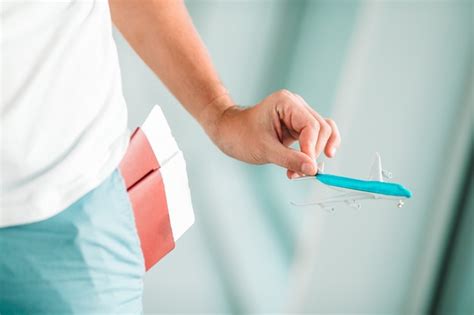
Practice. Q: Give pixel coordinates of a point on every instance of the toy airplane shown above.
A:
(373, 188)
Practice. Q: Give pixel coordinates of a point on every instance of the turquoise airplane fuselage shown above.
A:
(376, 187)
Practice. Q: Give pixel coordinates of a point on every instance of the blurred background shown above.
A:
(397, 76)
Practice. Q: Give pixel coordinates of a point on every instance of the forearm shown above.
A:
(162, 33)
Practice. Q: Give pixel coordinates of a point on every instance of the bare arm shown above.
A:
(162, 33)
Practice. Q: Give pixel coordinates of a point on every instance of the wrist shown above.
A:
(211, 116)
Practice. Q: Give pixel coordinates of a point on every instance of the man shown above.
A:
(67, 239)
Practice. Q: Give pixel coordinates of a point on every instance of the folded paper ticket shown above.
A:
(154, 171)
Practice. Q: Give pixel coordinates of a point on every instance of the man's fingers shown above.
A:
(298, 120)
(308, 124)
(334, 140)
(308, 138)
(292, 174)
(292, 160)
(315, 135)
(325, 129)
(323, 136)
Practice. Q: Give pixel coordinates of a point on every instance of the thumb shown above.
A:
(292, 160)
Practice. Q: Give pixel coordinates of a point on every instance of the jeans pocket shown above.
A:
(129, 217)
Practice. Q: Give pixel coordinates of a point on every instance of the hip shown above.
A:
(85, 259)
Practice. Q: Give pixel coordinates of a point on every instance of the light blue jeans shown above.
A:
(85, 260)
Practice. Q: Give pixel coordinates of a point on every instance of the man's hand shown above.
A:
(162, 33)
(263, 133)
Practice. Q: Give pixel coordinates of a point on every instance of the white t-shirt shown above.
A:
(63, 117)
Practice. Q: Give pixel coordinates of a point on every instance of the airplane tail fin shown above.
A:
(376, 169)
(321, 168)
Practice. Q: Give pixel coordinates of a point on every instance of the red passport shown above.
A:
(154, 171)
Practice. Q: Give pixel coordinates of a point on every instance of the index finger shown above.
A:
(334, 140)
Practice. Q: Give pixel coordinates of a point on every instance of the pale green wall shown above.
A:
(458, 285)
(401, 93)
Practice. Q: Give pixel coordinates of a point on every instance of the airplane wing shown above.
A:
(347, 198)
